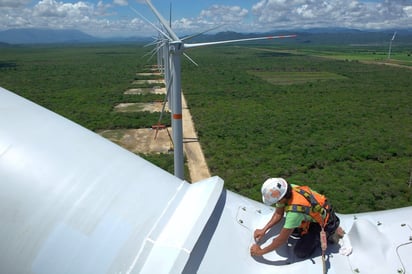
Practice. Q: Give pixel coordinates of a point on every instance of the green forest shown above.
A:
(334, 118)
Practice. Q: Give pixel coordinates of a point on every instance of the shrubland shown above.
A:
(348, 136)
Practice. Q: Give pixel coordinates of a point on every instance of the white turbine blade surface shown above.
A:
(156, 41)
(103, 209)
(168, 87)
(195, 45)
(190, 59)
(172, 34)
(394, 35)
(153, 52)
(165, 100)
(153, 25)
(198, 34)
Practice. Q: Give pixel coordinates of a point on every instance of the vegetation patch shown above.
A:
(147, 82)
(348, 137)
(292, 77)
(137, 107)
(149, 75)
(143, 91)
(363, 53)
(143, 141)
(7, 65)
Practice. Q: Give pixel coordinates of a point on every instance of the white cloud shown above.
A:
(88, 17)
(54, 14)
(224, 14)
(52, 8)
(113, 17)
(13, 3)
(272, 14)
(232, 17)
(408, 11)
(120, 2)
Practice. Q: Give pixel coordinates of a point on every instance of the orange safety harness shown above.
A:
(316, 206)
(305, 201)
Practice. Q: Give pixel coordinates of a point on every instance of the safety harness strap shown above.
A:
(318, 210)
(311, 199)
(298, 208)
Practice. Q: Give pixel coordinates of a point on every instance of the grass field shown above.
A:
(348, 136)
(399, 56)
(289, 78)
(336, 124)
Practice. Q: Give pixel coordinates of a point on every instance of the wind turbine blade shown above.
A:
(153, 25)
(158, 46)
(394, 35)
(198, 34)
(163, 22)
(190, 59)
(195, 45)
(152, 53)
(170, 15)
(155, 42)
(163, 106)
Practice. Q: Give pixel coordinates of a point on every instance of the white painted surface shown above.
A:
(73, 202)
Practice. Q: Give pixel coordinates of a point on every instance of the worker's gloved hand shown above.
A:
(255, 250)
(259, 233)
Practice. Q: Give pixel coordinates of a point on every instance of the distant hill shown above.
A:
(352, 36)
(54, 36)
(4, 45)
(309, 36)
(329, 36)
(43, 36)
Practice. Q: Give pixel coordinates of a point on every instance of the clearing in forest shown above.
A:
(138, 107)
(293, 77)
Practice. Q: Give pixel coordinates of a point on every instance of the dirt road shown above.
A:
(196, 161)
(144, 141)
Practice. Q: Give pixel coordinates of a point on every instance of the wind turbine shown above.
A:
(390, 45)
(175, 48)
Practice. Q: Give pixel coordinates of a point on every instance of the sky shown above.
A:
(114, 18)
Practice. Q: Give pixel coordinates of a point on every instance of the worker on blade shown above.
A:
(308, 214)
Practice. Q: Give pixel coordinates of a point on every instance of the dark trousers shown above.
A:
(308, 242)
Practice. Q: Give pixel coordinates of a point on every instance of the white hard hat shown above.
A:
(273, 190)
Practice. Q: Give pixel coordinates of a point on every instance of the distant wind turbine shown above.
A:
(171, 49)
(390, 45)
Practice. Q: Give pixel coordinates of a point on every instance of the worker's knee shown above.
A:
(306, 246)
(302, 253)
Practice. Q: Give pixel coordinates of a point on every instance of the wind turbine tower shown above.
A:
(390, 45)
(174, 48)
